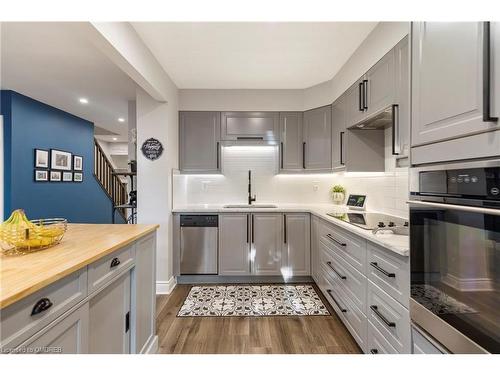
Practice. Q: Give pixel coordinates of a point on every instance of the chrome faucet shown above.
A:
(250, 198)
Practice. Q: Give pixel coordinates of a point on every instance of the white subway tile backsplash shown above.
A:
(386, 192)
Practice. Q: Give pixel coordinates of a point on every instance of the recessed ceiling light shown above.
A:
(115, 139)
(83, 100)
(121, 119)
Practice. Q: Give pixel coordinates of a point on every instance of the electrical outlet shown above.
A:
(204, 186)
(315, 185)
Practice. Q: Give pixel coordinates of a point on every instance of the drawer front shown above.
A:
(339, 270)
(422, 345)
(351, 316)
(352, 247)
(22, 319)
(109, 267)
(377, 343)
(390, 318)
(390, 272)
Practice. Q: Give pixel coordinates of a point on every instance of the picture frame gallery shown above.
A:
(57, 166)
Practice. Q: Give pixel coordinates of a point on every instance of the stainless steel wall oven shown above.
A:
(455, 254)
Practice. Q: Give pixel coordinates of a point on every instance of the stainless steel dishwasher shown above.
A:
(199, 244)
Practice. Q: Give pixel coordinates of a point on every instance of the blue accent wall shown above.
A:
(30, 124)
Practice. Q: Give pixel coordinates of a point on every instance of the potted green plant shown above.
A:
(338, 194)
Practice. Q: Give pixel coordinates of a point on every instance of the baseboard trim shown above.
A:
(152, 348)
(468, 284)
(214, 279)
(165, 287)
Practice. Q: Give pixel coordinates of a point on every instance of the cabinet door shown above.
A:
(110, 317)
(69, 335)
(339, 115)
(379, 85)
(250, 125)
(495, 68)
(318, 139)
(402, 136)
(145, 293)
(291, 141)
(447, 81)
(234, 244)
(266, 232)
(315, 265)
(297, 244)
(199, 148)
(355, 107)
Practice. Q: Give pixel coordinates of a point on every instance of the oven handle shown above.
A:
(477, 210)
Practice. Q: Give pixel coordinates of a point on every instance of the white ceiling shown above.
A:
(257, 55)
(55, 64)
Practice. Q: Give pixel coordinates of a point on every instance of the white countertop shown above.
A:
(396, 243)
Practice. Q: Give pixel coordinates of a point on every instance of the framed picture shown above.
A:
(77, 163)
(41, 158)
(60, 160)
(41, 175)
(55, 176)
(78, 177)
(67, 176)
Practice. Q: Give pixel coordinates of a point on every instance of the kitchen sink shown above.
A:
(250, 206)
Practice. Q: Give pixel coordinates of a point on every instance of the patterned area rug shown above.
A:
(439, 302)
(252, 300)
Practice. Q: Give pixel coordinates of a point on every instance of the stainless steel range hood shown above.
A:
(380, 120)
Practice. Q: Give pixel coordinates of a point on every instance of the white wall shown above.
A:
(154, 184)
(383, 37)
(240, 100)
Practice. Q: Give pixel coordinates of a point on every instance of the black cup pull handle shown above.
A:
(115, 262)
(42, 305)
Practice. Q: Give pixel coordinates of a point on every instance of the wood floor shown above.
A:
(251, 335)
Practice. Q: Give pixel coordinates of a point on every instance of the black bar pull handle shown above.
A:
(218, 148)
(329, 264)
(386, 321)
(304, 155)
(281, 150)
(250, 138)
(395, 126)
(365, 94)
(487, 74)
(329, 291)
(41, 305)
(330, 237)
(342, 162)
(380, 269)
(253, 231)
(115, 262)
(373, 351)
(284, 228)
(247, 230)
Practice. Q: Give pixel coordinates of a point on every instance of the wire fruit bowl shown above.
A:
(33, 235)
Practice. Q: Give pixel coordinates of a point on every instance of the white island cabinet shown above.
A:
(104, 302)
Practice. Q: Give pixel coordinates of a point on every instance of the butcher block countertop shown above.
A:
(83, 244)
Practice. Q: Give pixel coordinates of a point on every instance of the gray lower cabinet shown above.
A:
(109, 318)
(199, 141)
(144, 295)
(291, 141)
(315, 259)
(266, 239)
(249, 126)
(448, 82)
(234, 244)
(69, 334)
(317, 144)
(296, 251)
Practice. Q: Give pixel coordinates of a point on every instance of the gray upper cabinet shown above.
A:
(355, 98)
(250, 126)
(495, 68)
(234, 244)
(402, 87)
(199, 136)
(379, 90)
(339, 116)
(108, 316)
(447, 80)
(266, 230)
(291, 141)
(296, 244)
(317, 144)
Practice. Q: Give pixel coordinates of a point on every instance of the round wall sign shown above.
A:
(152, 148)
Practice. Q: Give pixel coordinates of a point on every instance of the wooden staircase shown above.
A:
(110, 183)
